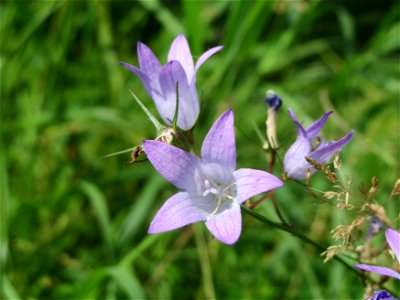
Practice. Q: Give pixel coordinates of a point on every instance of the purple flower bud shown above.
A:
(375, 226)
(273, 100)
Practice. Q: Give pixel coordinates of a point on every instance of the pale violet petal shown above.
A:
(324, 153)
(219, 145)
(393, 239)
(251, 182)
(227, 225)
(300, 129)
(206, 55)
(171, 74)
(295, 164)
(176, 212)
(146, 81)
(378, 270)
(174, 164)
(148, 62)
(316, 127)
(180, 51)
(218, 173)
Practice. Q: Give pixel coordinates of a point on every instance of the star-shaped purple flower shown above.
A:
(212, 188)
(308, 144)
(393, 239)
(160, 81)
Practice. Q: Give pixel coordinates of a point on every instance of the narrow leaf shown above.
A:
(153, 119)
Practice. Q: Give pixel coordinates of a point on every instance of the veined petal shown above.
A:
(300, 129)
(189, 109)
(393, 239)
(174, 164)
(148, 62)
(324, 153)
(295, 164)
(219, 145)
(180, 51)
(250, 182)
(378, 270)
(146, 81)
(227, 225)
(315, 128)
(178, 211)
(206, 55)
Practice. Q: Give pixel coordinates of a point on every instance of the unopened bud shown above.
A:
(274, 103)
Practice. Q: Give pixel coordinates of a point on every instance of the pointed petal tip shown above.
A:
(227, 226)
(219, 144)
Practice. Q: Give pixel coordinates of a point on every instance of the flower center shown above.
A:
(220, 184)
(316, 142)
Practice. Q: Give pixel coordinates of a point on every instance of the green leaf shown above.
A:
(99, 205)
(127, 282)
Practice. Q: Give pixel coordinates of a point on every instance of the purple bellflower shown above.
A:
(160, 81)
(393, 239)
(308, 144)
(212, 188)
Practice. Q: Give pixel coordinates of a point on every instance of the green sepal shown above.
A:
(153, 119)
(175, 120)
(120, 152)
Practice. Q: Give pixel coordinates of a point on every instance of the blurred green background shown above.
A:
(73, 225)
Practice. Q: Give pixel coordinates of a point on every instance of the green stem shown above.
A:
(295, 233)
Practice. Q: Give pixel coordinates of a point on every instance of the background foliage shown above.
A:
(73, 225)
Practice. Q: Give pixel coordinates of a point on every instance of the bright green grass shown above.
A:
(73, 225)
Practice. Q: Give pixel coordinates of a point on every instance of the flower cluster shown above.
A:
(212, 190)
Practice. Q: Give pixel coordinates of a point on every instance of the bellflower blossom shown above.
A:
(393, 239)
(160, 81)
(212, 188)
(308, 144)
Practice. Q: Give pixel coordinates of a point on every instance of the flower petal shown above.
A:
(295, 164)
(148, 62)
(227, 225)
(219, 145)
(174, 164)
(324, 153)
(378, 270)
(393, 239)
(300, 129)
(250, 182)
(178, 211)
(180, 51)
(206, 55)
(146, 81)
(189, 108)
(315, 128)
